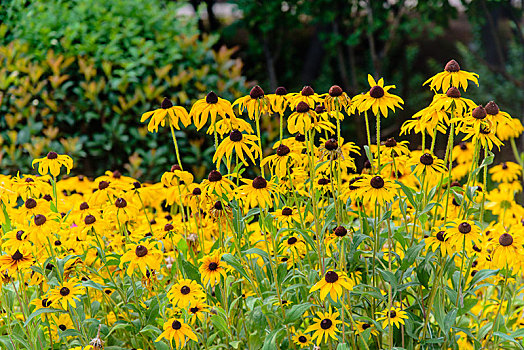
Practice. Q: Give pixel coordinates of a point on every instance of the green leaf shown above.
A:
(220, 323)
(41, 312)
(234, 263)
(296, 312)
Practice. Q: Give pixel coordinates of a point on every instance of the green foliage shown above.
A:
(92, 68)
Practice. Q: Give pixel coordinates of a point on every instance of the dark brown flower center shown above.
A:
(440, 236)
(335, 91)
(376, 92)
(197, 191)
(453, 92)
(40, 220)
(281, 91)
(292, 240)
(506, 240)
(331, 144)
(117, 174)
(175, 167)
(366, 326)
(323, 181)
(492, 108)
(302, 107)
(391, 142)
(283, 150)
(307, 91)
(212, 266)
(326, 323)
(29, 180)
(17, 256)
(84, 206)
(259, 182)
(302, 339)
(166, 103)
(504, 166)
(235, 136)
(176, 325)
(168, 227)
(140, 251)
(479, 113)
(19, 235)
(90, 219)
(64, 291)
(185, 290)
(103, 185)
(46, 303)
(62, 327)
(47, 197)
(120, 203)
(211, 98)
(392, 314)
(341, 231)
(331, 277)
(464, 228)
(426, 159)
(320, 109)
(452, 66)
(218, 205)
(30, 203)
(52, 155)
(256, 92)
(377, 182)
(287, 211)
(214, 176)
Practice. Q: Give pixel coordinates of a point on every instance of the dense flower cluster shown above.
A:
(419, 249)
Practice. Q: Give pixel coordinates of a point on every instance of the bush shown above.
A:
(88, 69)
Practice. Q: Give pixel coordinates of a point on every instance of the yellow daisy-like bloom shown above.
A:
(337, 100)
(452, 100)
(121, 211)
(241, 144)
(510, 129)
(283, 161)
(363, 326)
(394, 316)
(486, 136)
(373, 189)
(301, 119)
(463, 234)
(185, 292)
(451, 76)
(52, 163)
(279, 100)
(256, 103)
(333, 284)
(66, 293)
(505, 172)
(197, 311)
(302, 339)
(419, 125)
(211, 268)
(287, 214)
(324, 326)
(307, 95)
(175, 329)
(142, 256)
(210, 107)
(21, 259)
(226, 125)
(438, 239)
(256, 192)
(378, 98)
(428, 164)
(463, 152)
(507, 250)
(174, 114)
(394, 148)
(217, 185)
(494, 114)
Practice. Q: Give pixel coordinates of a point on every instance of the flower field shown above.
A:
(288, 245)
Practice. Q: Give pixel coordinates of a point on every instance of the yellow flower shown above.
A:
(256, 192)
(451, 76)
(279, 100)
(210, 107)
(333, 284)
(307, 95)
(142, 256)
(256, 103)
(242, 144)
(378, 98)
(394, 316)
(67, 293)
(185, 292)
(212, 268)
(174, 115)
(505, 172)
(324, 326)
(175, 329)
(373, 189)
(52, 163)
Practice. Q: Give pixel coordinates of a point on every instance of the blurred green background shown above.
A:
(75, 76)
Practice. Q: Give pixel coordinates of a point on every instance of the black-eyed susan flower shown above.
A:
(179, 331)
(372, 189)
(67, 293)
(211, 268)
(324, 326)
(361, 327)
(217, 185)
(337, 100)
(279, 100)
(301, 119)
(486, 136)
(302, 339)
(378, 99)
(121, 210)
(52, 163)
(505, 172)
(256, 103)
(141, 256)
(306, 95)
(393, 316)
(166, 112)
(256, 192)
(208, 108)
(60, 323)
(287, 215)
(394, 148)
(439, 240)
(185, 292)
(451, 76)
(452, 100)
(333, 284)
(463, 152)
(463, 234)
(428, 164)
(507, 249)
(242, 144)
(282, 161)
(225, 126)
(20, 259)
(198, 311)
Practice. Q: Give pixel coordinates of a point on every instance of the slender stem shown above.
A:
(176, 146)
